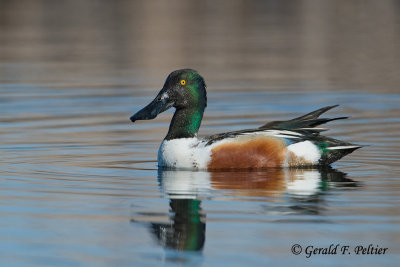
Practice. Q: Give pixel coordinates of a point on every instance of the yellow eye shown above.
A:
(183, 82)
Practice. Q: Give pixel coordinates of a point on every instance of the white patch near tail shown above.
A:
(306, 151)
(341, 147)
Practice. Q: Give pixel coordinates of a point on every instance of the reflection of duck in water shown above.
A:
(186, 229)
(291, 143)
(272, 182)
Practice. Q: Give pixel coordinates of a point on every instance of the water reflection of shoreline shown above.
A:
(186, 226)
(319, 43)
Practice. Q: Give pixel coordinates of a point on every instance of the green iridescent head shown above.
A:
(184, 90)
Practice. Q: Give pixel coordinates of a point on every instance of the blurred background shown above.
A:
(322, 45)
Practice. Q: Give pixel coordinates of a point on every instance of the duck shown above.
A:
(295, 143)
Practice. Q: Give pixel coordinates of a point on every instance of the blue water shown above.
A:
(85, 190)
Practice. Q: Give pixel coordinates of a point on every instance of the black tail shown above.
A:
(310, 120)
(336, 154)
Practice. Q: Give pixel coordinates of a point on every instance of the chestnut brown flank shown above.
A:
(245, 152)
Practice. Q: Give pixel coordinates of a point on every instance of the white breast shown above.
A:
(184, 153)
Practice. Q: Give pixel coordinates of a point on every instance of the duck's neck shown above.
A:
(185, 123)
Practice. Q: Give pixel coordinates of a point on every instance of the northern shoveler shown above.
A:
(291, 143)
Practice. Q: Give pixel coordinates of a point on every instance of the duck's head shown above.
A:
(184, 90)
